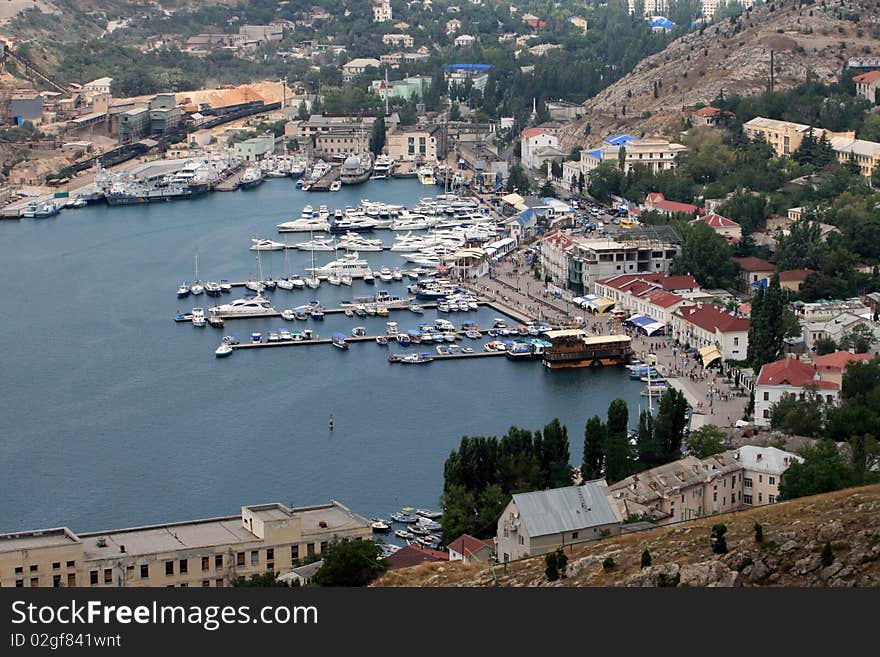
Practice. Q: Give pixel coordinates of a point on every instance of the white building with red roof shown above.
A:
(866, 85)
(727, 228)
(706, 325)
(555, 251)
(654, 295)
(707, 116)
(532, 142)
(832, 366)
(657, 202)
(468, 549)
(789, 376)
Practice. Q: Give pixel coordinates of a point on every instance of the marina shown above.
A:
(122, 376)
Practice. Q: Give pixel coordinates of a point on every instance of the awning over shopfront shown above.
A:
(648, 324)
(596, 304)
(709, 355)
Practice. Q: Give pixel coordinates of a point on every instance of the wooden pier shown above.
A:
(230, 184)
(323, 183)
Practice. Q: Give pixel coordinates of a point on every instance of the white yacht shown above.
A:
(355, 242)
(304, 225)
(266, 245)
(198, 317)
(255, 306)
(426, 175)
(413, 222)
(349, 264)
(408, 243)
(318, 244)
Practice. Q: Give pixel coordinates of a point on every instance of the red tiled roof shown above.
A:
(711, 318)
(668, 283)
(528, 133)
(662, 298)
(653, 197)
(792, 372)
(413, 555)
(791, 275)
(867, 78)
(717, 221)
(675, 206)
(467, 545)
(708, 112)
(839, 360)
(752, 263)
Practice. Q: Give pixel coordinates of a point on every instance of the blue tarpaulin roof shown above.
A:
(618, 140)
(467, 67)
(665, 23)
(648, 324)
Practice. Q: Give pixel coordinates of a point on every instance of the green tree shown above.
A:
(650, 452)
(350, 563)
(551, 567)
(706, 256)
(800, 417)
(594, 454)
(266, 579)
(604, 181)
(771, 322)
(827, 554)
(718, 542)
(646, 558)
(705, 441)
(825, 345)
(860, 339)
(823, 470)
(621, 158)
(670, 424)
(801, 248)
(547, 190)
(455, 112)
(554, 457)
(618, 454)
(518, 180)
(759, 533)
(377, 136)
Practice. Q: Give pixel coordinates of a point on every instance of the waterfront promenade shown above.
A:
(713, 399)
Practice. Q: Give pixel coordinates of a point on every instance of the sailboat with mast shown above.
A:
(197, 288)
(312, 279)
(257, 285)
(284, 282)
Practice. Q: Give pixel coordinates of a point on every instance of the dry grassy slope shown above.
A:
(794, 534)
(736, 62)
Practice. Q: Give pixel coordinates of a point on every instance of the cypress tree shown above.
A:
(594, 449)
(617, 448)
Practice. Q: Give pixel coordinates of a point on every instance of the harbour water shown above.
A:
(112, 415)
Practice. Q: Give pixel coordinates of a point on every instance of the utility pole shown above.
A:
(771, 71)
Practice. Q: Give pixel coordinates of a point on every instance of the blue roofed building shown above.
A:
(661, 24)
(459, 73)
(652, 152)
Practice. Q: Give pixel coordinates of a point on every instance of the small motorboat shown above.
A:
(270, 284)
(317, 312)
(225, 286)
(223, 350)
(333, 279)
(285, 283)
(297, 282)
(403, 339)
(369, 278)
(419, 531)
(380, 526)
(274, 336)
(198, 317)
(467, 350)
(402, 533)
(197, 288)
(183, 291)
(215, 321)
(427, 513)
(338, 340)
(345, 279)
(256, 336)
(266, 245)
(301, 313)
(230, 339)
(473, 335)
(403, 518)
(382, 340)
(335, 186)
(359, 331)
(183, 317)
(416, 308)
(288, 314)
(348, 312)
(417, 359)
(285, 335)
(212, 289)
(360, 311)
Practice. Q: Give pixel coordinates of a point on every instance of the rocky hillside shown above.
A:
(790, 554)
(734, 56)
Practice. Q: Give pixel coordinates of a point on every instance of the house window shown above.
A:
(218, 561)
(93, 577)
(108, 576)
(56, 581)
(773, 481)
(747, 499)
(521, 541)
(239, 559)
(771, 499)
(184, 566)
(218, 583)
(747, 482)
(56, 565)
(206, 583)
(324, 545)
(255, 557)
(760, 497)
(270, 554)
(206, 563)
(294, 552)
(169, 567)
(71, 579)
(714, 497)
(145, 571)
(574, 535)
(33, 568)
(71, 564)
(35, 582)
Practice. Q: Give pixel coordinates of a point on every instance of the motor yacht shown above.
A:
(266, 245)
(305, 225)
(349, 264)
(318, 244)
(251, 306)
(198, 317)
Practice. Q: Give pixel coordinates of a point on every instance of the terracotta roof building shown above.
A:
(657, 202)
(789, 376)
(753, 271)
(413, 555)
(707, 325)
(866, 85)
(468, 549)
(727, 228)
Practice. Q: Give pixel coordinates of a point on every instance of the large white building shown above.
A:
(537, 145)
(790, 376)
(652, 152)
(717, 331)
(595, 259)
(382, 11)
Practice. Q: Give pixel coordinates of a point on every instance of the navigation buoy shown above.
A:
(330, 424)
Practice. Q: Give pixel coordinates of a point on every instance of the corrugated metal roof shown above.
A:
(565, 509)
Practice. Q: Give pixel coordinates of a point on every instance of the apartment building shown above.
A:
(355, 67)
(555, 252)
(752, 271)
(207, 553)
(595, 259)
(691, 487)
(255, 148)
(867, 84)
(426, 142)
(654, 153)
(382, 11)
(542, 521)
(341, 141)
(784, 136)
(656, 296)
(727, 228)
(866, 154)
(707, 325)
(533, 144)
